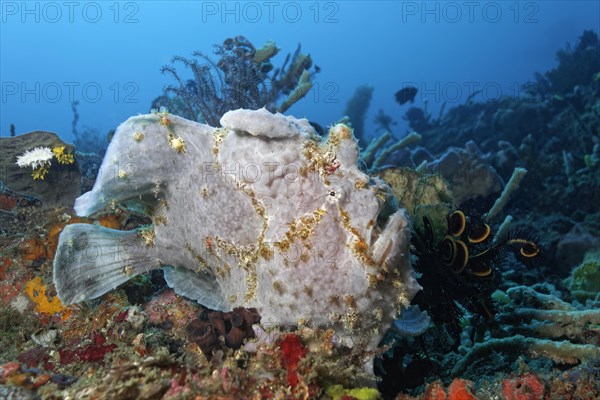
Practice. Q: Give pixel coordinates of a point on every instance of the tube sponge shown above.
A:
(501, 201)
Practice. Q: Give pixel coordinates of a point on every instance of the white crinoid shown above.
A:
(38, 157)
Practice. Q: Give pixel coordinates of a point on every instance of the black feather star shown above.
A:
(459, 271)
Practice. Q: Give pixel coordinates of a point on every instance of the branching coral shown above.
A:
(510, 187)
(562, 352)
(540, 325)
(408, 140)
(238, 79)
(546, 316)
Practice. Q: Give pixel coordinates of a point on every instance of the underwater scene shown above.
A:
(337, 200)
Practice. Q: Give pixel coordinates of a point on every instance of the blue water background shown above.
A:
(107, 55)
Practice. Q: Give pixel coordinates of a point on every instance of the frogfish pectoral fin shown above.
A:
(92, 260)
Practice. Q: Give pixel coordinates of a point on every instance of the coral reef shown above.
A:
(243, 215)
(549, 129)
(539, 328)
